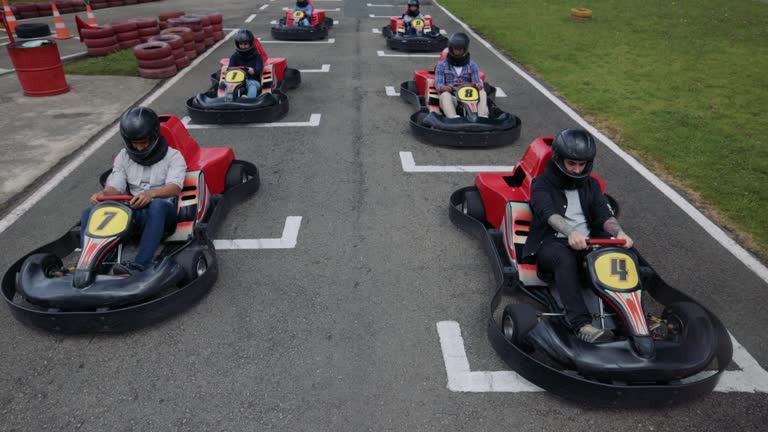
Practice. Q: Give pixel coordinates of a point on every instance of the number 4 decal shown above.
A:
(619, 268)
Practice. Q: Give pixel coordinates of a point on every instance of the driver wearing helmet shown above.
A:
(304, 6)
(152, 172)
(410, 14)
(568, 206)
(456, 69)
(246, 56)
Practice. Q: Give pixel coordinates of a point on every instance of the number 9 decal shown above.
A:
(108, 221)
(297, 15)
(418, 22)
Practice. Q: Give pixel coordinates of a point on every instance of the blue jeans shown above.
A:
(304, 22)
(156, 218)
(252, 87)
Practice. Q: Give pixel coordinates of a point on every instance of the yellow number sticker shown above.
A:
(235, 76)
(616, 271)
(417, 23)
(108, 221)
(297, 15)
(469, 94)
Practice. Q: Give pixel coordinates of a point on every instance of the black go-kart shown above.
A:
(667, 348)
(288, 28)
(422, 37)
(60, 288)
(430, 125)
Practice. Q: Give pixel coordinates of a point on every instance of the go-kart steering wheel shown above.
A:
(606, 242)
(122, 198)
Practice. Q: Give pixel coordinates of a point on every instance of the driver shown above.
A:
(246, 56)
(457, 68)
(411, 14)
(150, 171)
(304, 6)
(568, 207)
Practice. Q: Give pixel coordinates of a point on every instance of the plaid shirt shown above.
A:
(445, 75)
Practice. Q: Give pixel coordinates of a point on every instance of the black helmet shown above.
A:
(458, 40)
(301, 3)
(413, 3)
(577, 145)
(244, 35)
(137, 124)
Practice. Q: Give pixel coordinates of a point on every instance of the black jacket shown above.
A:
(255, 62)
(548, 198)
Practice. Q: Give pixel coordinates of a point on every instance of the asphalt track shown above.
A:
(339, 333)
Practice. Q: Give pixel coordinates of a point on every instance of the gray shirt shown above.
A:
(129, 176)
(574, 214)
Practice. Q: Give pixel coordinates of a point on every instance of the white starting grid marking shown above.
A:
(323, 69)
(287, 241)
(250, 18)
(381, 5)
(750, 379)
(391, 92)
(314, 121)
(409, 165)
(376, 30)
(379, 16)
(326, 10)
(329, 41)
(381, 53)
(264, 7)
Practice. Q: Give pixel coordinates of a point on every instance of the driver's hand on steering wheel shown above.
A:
(95, 197)
(628, 240)
(141, 200)
(446, 88)
(477, 86)
(577, 240)
(251, 71)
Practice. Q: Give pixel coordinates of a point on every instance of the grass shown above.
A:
(120, 63)
(681, 84)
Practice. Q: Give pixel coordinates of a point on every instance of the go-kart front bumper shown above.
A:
(299, 33)
(267, 107)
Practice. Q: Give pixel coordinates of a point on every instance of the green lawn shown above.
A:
(120, 63)
(681, 84)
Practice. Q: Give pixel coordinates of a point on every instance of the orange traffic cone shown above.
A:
(9, 18)
(91, 16)
(58, 21)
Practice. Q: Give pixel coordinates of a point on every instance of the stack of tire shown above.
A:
(164, 17)
(44, 9)
(127, 33)
(146, 27)
(193, 24)
(156, 59)
(26, 10)
(78, 5)
(177, 45)
(115, 3)
(217, 22)
(100, 41)
(99, 4)
(187, 37)
(64, 6)
(205, 21)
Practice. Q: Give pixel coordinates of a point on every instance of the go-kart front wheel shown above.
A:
(473, 205)
(681, 316)
(517, 321)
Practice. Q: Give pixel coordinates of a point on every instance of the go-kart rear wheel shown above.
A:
(236, 174)
(517, 321)
(49, 263)
(473, 205)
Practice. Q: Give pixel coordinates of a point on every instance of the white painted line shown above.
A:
(56, 179)
(409, 165)
(750, 379)
(73, 55)
(264, 7)
(326, 10)
(329, 41)
(715, 231)
(273, 22)
(2, 71)
(250, 18)
(287, 241)
(335, 22)
(381, 5)
(376, 30)
(391, 92)
(379, 16)
(443, 32)
(500, 92)
(383, 54)
(325, 68)
(314, 121)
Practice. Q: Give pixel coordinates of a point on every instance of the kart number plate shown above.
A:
(417, 23)
(235, 76)
(108, 221)
(468, 94)
(297, 15)
(617, 271)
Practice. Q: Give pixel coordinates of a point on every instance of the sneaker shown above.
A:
(126, 269)
(592, 334)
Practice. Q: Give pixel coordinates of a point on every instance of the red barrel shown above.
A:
(38, 66)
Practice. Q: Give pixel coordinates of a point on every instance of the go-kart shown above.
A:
(468, 130)
(424, 36)
(667, 348)
(46, 289)
(288, 27)
(225, 102)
